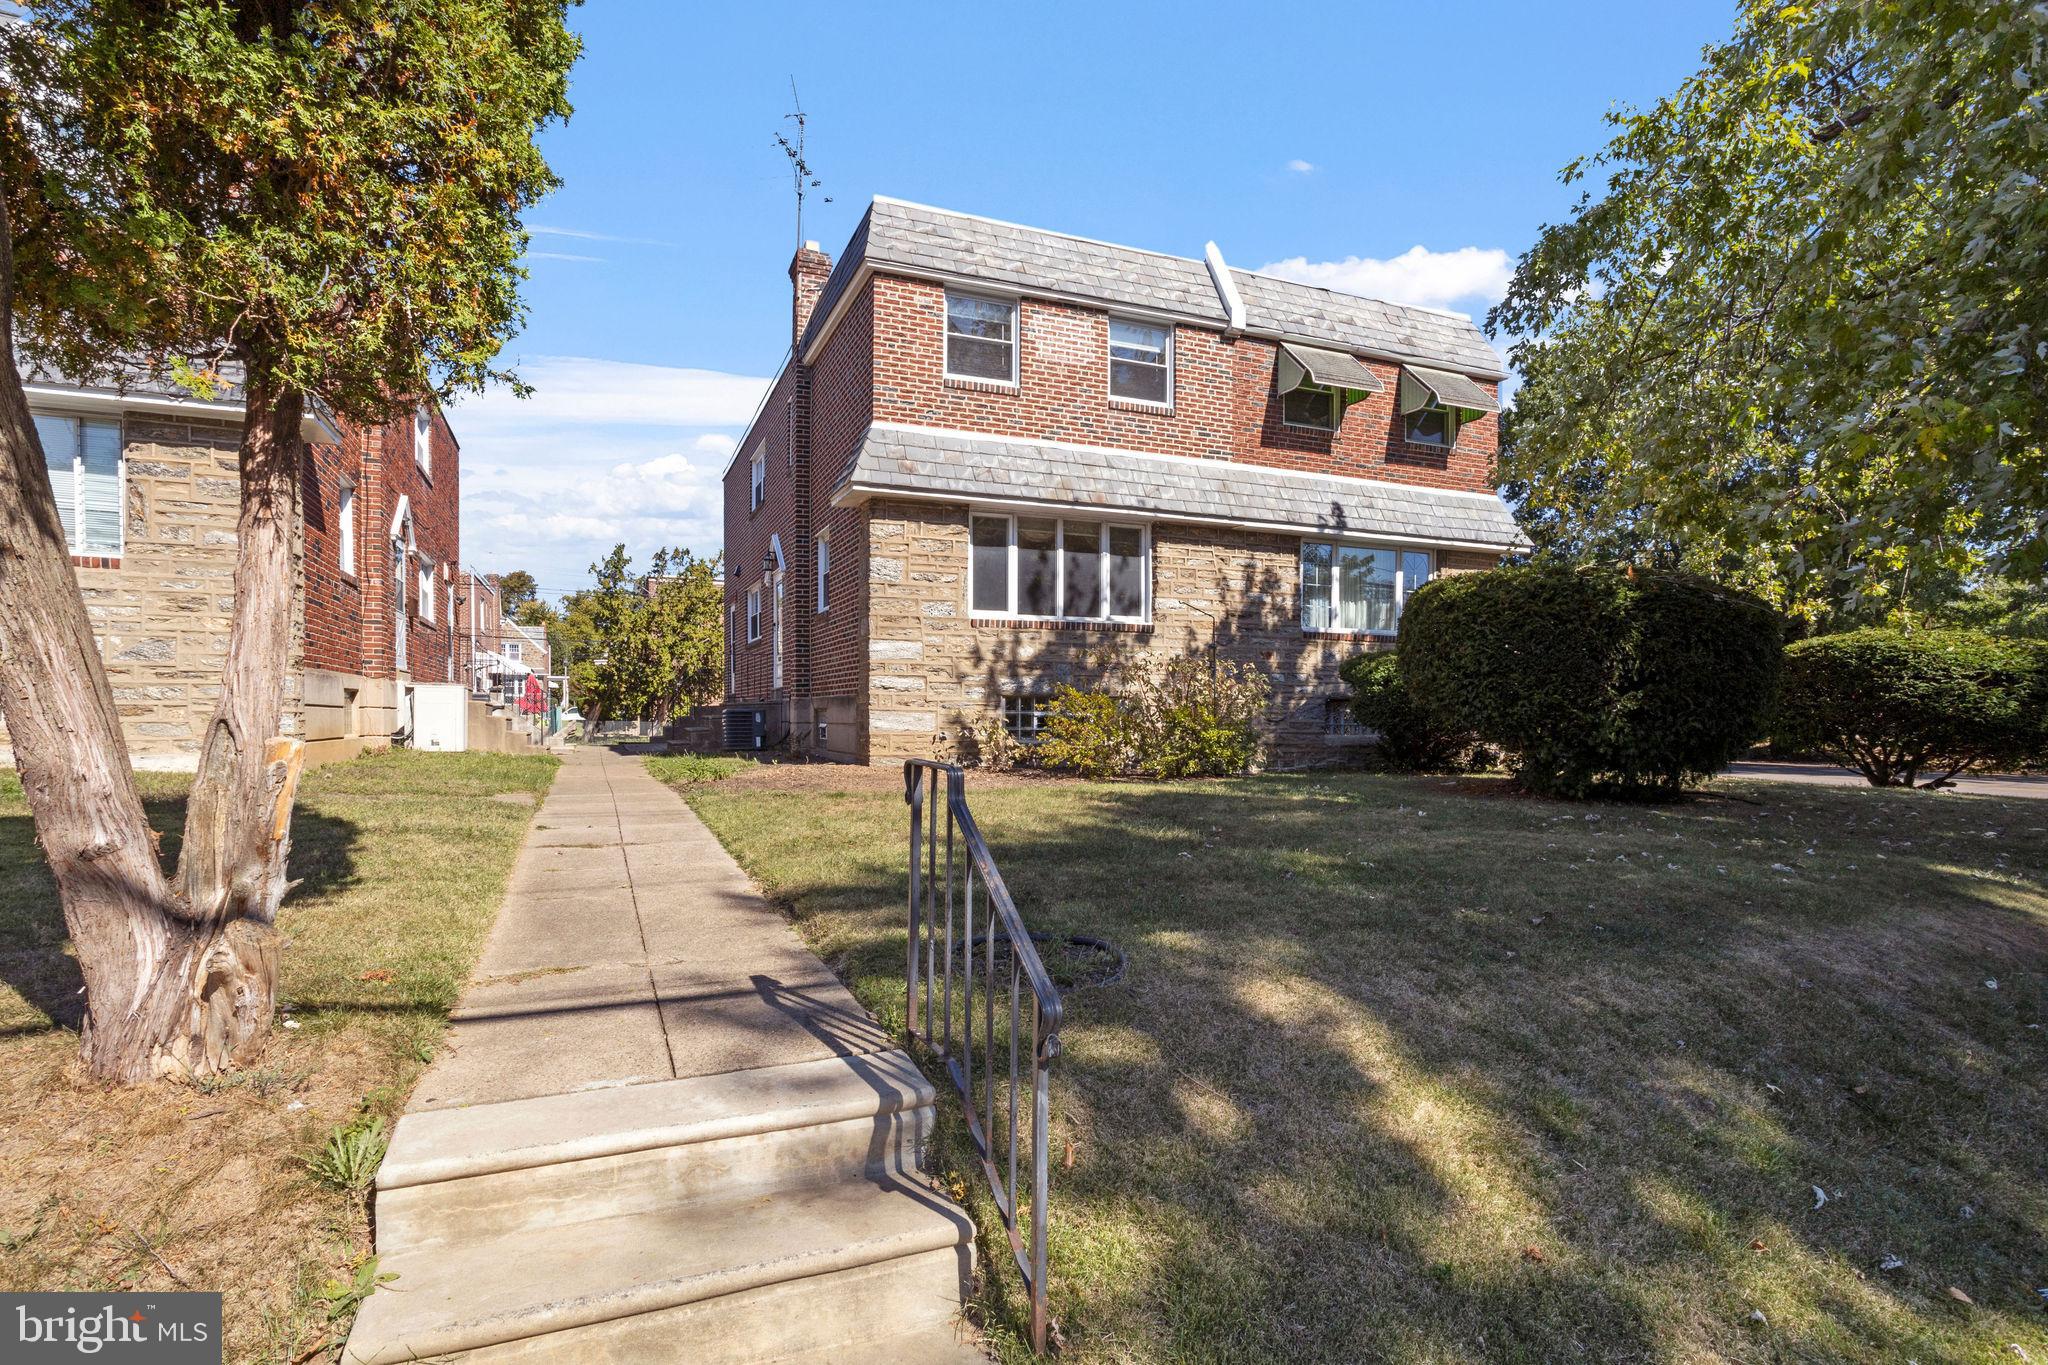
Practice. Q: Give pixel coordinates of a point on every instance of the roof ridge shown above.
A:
(1049, 232)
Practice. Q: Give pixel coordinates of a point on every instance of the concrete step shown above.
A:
(490, 1170)
(949, 1345)
(741, 1280)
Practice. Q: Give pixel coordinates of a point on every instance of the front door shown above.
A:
(778, 629)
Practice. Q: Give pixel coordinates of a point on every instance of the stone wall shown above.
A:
(161, 611)
(931, 663)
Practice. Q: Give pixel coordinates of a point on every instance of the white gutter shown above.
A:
(1226, 289)
(312, 427)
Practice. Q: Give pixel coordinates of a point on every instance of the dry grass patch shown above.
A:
(1403, 1070)
(405, 858)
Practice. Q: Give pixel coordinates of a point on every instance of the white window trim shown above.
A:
(1059, 559)
(1336, 409)
(1109, 361)
(423, 439)
(754, 615)
(512, 652)
(1452, 424)
(823, 555)
(424, 587)
(1336, 543)
(75, 544)
(346, 515)
(1011, 302)
(757, 479)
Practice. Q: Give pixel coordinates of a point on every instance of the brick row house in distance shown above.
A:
(999, 457)
(147, 486)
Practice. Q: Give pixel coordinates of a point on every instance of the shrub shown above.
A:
(986, 742)
(1892, 705)
(1594, 680)
(1184, 717)
(1411, 737)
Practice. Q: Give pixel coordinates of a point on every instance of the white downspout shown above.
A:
(1226, 290)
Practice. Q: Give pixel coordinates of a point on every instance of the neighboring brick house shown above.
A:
(1000, 457)
(146, 482)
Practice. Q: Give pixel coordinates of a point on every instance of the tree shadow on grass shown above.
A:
(35, 958)
(1396, 1076)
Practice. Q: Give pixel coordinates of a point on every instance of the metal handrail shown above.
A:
(937, 954)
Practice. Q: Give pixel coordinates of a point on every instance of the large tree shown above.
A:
(651, 644)
(1797, 335)
(318, 199)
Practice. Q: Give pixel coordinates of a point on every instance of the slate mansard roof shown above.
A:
(917, 240)
(926, 462)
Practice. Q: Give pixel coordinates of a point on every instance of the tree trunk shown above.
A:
(67, 740)
(179, 979)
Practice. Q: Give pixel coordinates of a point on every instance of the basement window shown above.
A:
(1025, 717)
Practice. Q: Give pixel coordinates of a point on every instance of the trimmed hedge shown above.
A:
(1595, 680)
(1892, 705)
(1410, 737)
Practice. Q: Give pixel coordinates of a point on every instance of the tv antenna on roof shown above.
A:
(800, 173)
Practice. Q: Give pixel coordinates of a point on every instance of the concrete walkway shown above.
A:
(663, 1129)
(1826, 775)
(632, 948)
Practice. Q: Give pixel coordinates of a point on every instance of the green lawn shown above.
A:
(404, 858)
(1414, 1070)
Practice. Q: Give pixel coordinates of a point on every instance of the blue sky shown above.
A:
(1406, 151)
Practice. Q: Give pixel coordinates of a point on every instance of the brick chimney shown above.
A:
(808, 271)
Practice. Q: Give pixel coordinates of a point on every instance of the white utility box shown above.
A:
(440, 716)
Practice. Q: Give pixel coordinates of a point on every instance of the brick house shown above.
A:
(999, 457)
(147, 485)
(501, 652)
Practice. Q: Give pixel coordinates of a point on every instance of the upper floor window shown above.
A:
(423, 439)
(1140, 362)
(1311, 405)
(84, 461)
(512, 650)
(1430, 426)
(757, 479)
(824, 567)
(1058, 567)
(345, 527)
(753, 615)
(1357, 587)
(981, 338)
(425, 604)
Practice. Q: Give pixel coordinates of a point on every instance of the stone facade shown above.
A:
(932, 664)
(161, 610)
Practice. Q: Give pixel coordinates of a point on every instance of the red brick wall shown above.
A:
(348, 620)
(842, 399)
(1224, 406)
(748, 535)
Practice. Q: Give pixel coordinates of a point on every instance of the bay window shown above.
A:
(1357, 587)
(1076, 569)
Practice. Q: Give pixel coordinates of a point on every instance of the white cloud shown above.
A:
(579, 389)
(1300, 167)
(581, 235)
(559, 256)
(603, 452)
(1419, 276)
